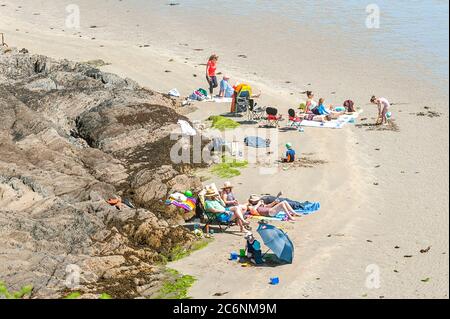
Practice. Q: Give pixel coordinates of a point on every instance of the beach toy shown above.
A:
(388, 115)
(198, 232)
(274, 281)
(242, 253)
(188, 194)
(340, 109)
(234, 256)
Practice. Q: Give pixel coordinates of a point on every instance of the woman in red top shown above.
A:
(211, 77)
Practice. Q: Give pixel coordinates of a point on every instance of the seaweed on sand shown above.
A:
(176, 287)
(228, 168)
(222, 123)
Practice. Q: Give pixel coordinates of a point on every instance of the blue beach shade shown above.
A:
(277, 241)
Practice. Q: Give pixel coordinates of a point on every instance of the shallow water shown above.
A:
(411, 33)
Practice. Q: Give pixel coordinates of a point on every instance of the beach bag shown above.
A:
(197, 96)
(203, 92)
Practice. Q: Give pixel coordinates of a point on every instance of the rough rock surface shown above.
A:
(71, 137)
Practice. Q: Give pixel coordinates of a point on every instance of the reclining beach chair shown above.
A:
(272, 118)
(294, 120)
(210, 218)
(255, 113)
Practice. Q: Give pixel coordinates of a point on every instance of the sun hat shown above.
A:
(210, 193)
(254, 198)
(227, 185)
(288, 145)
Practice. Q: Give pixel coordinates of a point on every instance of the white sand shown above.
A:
(408, 208)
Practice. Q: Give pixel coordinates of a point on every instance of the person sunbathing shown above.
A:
(272, 209)
(214, 204)
(227, 196)
(314, 117)
(310, 102)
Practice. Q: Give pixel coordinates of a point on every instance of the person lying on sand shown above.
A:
(314, 117)
(331, 111)
(213, 204)
(227, 196)
(272, 209)
(383, 109)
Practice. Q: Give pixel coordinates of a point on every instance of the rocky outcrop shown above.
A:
(71, 137)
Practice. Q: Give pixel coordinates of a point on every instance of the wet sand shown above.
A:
(384, 192)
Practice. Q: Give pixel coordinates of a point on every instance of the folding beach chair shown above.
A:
(294, 120)
(255, 113)
(210, 218)
(243, 101)
(272, 118)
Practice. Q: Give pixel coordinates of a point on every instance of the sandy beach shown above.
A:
(383, 192)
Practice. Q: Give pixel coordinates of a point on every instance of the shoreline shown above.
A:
(364, 213)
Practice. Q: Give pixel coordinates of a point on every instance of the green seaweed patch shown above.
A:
(179, 252)
(24, 291)
(73, 295)
(176, 286)
(104, 296)
(228, 168)
(223, 123)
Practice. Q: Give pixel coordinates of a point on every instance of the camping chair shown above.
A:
(242, 101)
(255, 113)
(210, 218)
(294, 120)
(272, 118)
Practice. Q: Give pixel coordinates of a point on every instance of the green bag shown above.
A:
(203, 91)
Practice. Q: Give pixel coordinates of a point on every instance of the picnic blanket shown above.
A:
(334, 124)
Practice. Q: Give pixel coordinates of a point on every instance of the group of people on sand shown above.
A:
(318, 111)
(226, 90)
(228, 208)
(313, 111)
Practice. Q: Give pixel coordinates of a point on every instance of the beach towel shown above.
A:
(255, 141)
(334, 124)
(188, 204)
(303, 208)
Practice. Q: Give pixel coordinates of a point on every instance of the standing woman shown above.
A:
(211, 77)
(383, 108)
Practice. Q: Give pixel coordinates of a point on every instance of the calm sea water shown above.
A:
(411, 32)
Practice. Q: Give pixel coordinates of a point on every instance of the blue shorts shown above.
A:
(225, 217)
